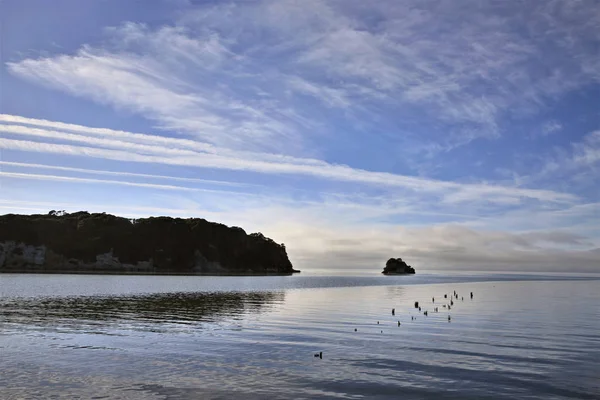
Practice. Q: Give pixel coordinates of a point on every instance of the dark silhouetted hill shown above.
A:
(395, 266)
(104, 243)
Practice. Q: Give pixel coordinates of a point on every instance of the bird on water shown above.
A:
(319, 354)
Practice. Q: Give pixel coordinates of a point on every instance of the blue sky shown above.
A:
(459, 135)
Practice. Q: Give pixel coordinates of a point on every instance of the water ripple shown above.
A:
(515, 339)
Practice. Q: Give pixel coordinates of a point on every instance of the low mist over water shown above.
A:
(237, 337)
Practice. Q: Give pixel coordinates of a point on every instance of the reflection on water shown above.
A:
(191, 309)
(515, 339)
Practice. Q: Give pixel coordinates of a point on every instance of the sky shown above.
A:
(458, 135)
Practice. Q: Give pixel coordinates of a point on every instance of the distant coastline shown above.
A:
(100, 243)
(164, 273)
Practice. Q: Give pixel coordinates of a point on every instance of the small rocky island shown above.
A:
(81, 242)
(395, 266)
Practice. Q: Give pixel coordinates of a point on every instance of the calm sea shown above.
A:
(173, 337)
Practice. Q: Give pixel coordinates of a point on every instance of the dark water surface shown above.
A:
(163, 337)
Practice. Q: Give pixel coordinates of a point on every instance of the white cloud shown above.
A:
(587, 152)
(120, 173)
(583, 155)
(144, 85)
(138, 151)
(215, 74)
(172, 43)
(57, 178)
(330, 96)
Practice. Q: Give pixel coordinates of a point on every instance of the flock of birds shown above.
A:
(425, 313)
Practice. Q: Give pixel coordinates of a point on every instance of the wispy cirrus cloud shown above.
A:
(579, 156)
(587, 152)
(59, 178)
(215, 73)
(119, 173)
(144, 149)
(145, 86)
